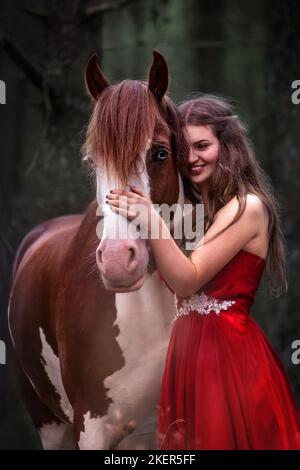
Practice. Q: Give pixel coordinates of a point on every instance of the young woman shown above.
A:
(223, 386)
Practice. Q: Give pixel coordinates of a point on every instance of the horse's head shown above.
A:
(134, 138)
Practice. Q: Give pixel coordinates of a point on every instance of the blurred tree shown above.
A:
(281, 126)
(45, 46)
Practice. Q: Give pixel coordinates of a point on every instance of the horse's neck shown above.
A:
(87, 231)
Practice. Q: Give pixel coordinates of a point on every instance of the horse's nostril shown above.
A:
(115, 259)
(99, 256)
(132, 258)
(131, 255)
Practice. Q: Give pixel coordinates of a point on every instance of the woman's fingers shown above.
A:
(117, 191)
(124, 192)
(129, 214)
(123, 203)
(112, 197)
(112, 202)
(133, 192)
(138, 191)
(135, 206)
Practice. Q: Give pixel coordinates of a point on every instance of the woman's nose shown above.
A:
(192, 156)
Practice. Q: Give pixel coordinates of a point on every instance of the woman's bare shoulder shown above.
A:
(254, 206)
(258, 208)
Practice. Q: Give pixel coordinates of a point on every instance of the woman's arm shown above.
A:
(186, 275)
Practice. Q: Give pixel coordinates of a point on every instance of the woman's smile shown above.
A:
(197, 169)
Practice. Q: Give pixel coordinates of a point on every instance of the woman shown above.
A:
(223, 385)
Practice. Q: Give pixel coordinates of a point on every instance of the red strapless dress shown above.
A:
(223, 385)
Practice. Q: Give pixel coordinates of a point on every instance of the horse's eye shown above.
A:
(160, 155)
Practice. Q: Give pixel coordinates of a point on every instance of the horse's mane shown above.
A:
(124, 118)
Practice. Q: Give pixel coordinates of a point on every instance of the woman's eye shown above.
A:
(160, 155)
(202, 147)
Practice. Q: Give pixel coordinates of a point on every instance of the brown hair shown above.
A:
(237, 174)
(125, 116)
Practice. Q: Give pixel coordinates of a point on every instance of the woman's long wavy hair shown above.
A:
(237, 174)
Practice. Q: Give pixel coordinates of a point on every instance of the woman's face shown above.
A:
(203, 154)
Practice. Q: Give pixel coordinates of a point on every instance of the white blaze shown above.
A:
(104, 184)
(52, 369)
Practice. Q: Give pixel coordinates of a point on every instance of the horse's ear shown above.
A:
(95, 80)
(158, 76)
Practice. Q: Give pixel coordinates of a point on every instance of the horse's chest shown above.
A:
(144, 319)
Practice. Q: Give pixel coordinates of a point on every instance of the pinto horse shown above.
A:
(90, 322)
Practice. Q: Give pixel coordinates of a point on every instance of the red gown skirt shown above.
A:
(223, 386)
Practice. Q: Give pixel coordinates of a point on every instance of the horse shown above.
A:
(89, 317)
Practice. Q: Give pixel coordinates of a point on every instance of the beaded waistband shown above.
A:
(202, 304)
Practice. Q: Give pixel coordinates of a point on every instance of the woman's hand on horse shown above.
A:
(135, 205)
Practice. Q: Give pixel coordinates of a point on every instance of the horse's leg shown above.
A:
(94, 432)
(54, 433)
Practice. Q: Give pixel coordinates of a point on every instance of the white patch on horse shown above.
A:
(52, 368)
(95, 435)
(144, 319)
(57, 436)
